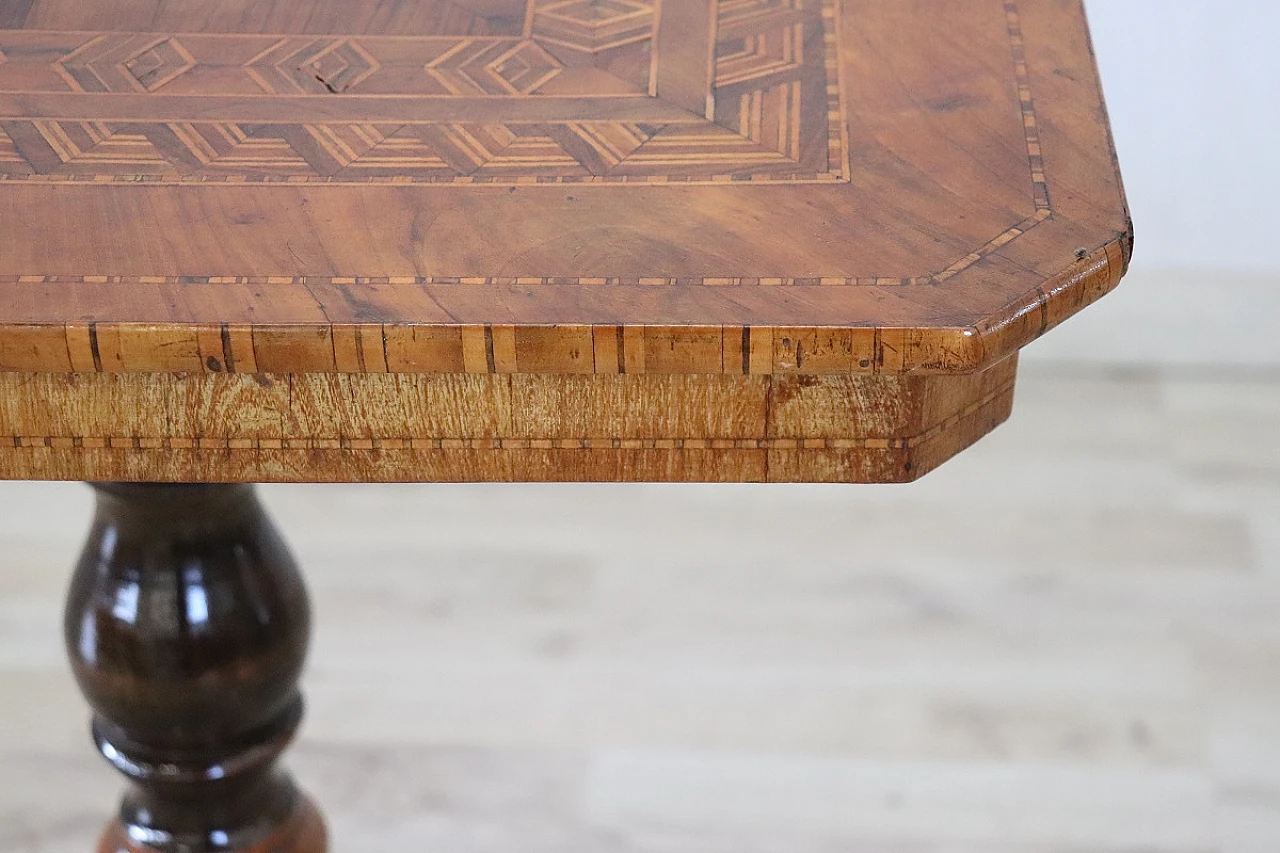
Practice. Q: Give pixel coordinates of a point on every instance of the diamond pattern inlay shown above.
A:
(593, 90)
(527, 67)
(160, 64)
(125, 63)
(494, 67)
(312, 66)
(341, 66)
(594, 25)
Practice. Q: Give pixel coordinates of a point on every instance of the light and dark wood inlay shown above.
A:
(690, 91)
(494, 240)
(578, 190)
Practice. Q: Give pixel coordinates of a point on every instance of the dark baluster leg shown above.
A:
(187, 625)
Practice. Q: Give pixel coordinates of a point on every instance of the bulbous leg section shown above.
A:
(187, 625)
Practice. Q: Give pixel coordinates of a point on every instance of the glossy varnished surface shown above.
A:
(302, 832)
(538, 186)
(187, 626)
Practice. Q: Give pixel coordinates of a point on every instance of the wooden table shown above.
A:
(506, 240)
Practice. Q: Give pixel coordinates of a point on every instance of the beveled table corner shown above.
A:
(494, 240)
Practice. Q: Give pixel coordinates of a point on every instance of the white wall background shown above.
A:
(1193, 88)
(1194, 91)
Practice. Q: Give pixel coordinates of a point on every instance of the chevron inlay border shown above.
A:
(220, 107)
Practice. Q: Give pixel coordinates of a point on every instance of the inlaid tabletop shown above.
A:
(437, 190)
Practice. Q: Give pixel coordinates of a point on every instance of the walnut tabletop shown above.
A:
(447, 240)
(464, 240)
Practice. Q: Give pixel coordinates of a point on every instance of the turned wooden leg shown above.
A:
(187, 625)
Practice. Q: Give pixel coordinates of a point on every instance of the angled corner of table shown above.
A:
(494, 240)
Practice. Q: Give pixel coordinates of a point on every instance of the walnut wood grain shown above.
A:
(501, 186)
(659, 208)
(457, 427)
(495, 240)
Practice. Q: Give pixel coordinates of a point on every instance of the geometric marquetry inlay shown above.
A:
(687, 223)
(595, 25)
(311, 66)
(682, 91)
(110, 63)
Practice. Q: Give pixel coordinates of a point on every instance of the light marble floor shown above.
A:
(1067, 641)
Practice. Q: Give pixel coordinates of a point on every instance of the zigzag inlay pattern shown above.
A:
(312, 66)
(774, 86)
